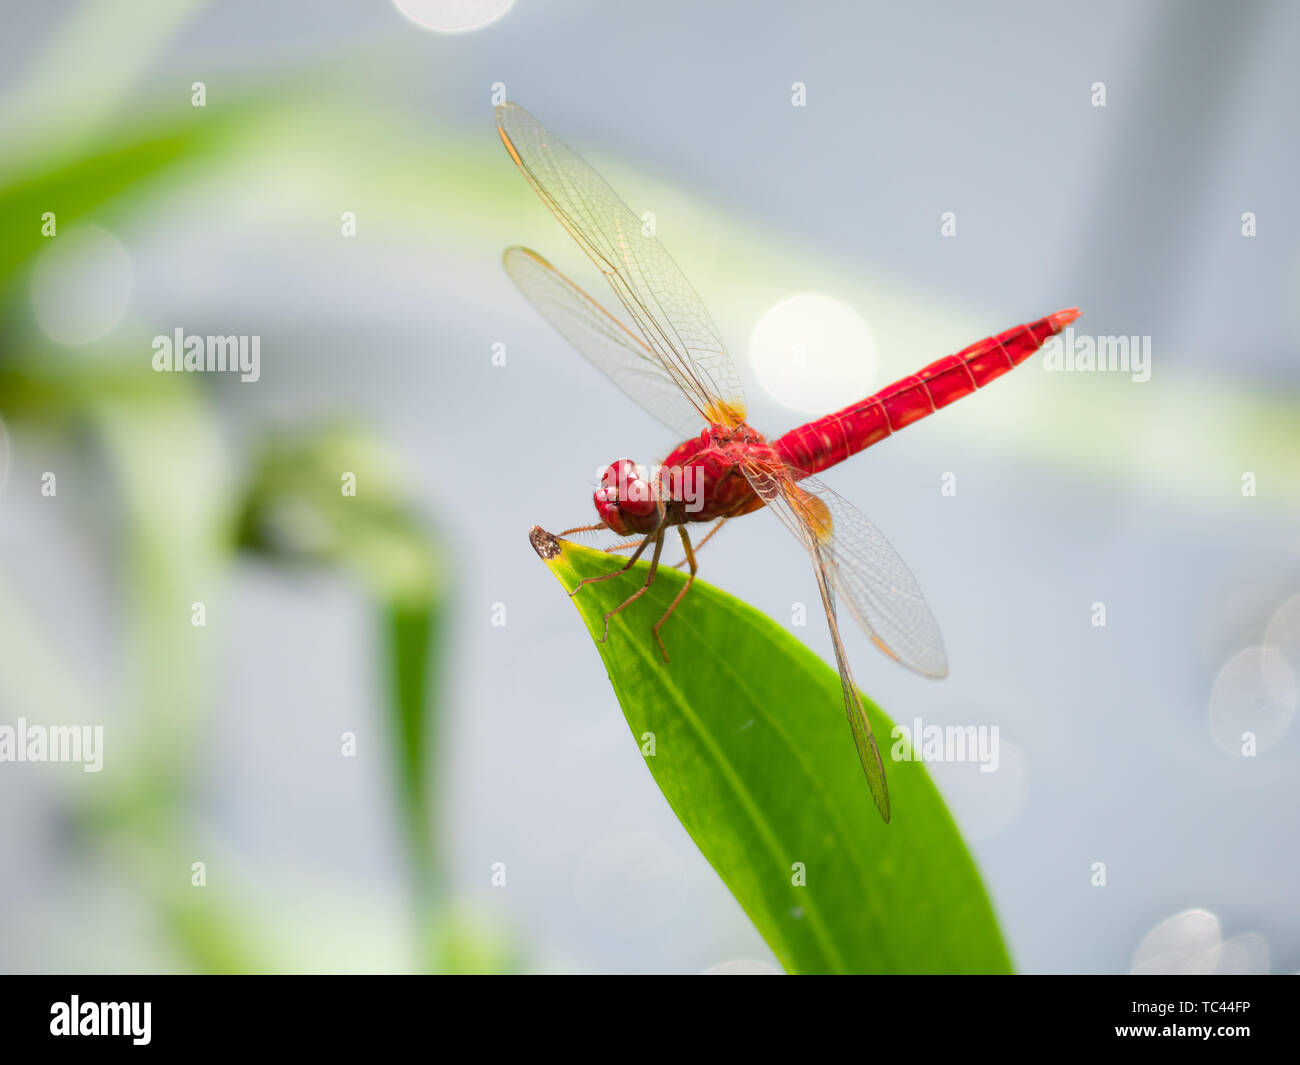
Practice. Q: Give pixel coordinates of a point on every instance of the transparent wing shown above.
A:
(806, 521)
(851, 556)
(672, 319)
(863, 736)
(866, 572)
(610, 346)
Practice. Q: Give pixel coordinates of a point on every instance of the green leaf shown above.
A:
(331, 496)
(118, 165)
(752, 750)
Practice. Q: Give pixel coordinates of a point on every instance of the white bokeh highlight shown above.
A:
(1191, 944)
(1254, 692)
(814, 354)
(81, 285)
(453, 16)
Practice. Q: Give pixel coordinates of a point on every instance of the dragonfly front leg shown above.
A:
(658, 536)
(690, 557)
(618, 572)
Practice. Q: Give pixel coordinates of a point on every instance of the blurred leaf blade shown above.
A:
(119, 164)
(330, 496)
(412, 640)
(754, 755)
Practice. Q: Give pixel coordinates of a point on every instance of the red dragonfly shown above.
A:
(676, 367)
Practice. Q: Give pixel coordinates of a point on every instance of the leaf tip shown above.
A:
(546, 545)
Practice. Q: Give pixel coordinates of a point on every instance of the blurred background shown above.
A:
(390, 745)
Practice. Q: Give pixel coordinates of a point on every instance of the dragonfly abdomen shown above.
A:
(830, 440)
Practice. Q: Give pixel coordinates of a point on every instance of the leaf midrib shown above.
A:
(742, 793)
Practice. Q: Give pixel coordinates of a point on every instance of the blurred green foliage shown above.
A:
(179, 510)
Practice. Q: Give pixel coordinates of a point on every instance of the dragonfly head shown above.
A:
(626, 501)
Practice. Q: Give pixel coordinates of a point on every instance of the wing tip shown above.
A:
(516, 251)
(933, 665)
(510, 147)
(878, 787)
(882, 805)
(503, 112)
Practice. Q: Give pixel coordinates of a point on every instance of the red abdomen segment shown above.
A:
(829, 440)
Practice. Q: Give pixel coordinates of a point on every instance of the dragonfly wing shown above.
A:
(775, 489)
(670, 316)
(863, 736)
(605, 341)
(866, 572)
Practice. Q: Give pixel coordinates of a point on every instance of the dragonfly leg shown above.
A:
(584, 528)
(658, 537)
(621, 547)
(690, 557)
(707, 537)
(618, 572)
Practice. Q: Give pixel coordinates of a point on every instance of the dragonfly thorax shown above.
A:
(700, 480)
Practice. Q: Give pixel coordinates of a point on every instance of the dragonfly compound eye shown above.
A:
(625, 497)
